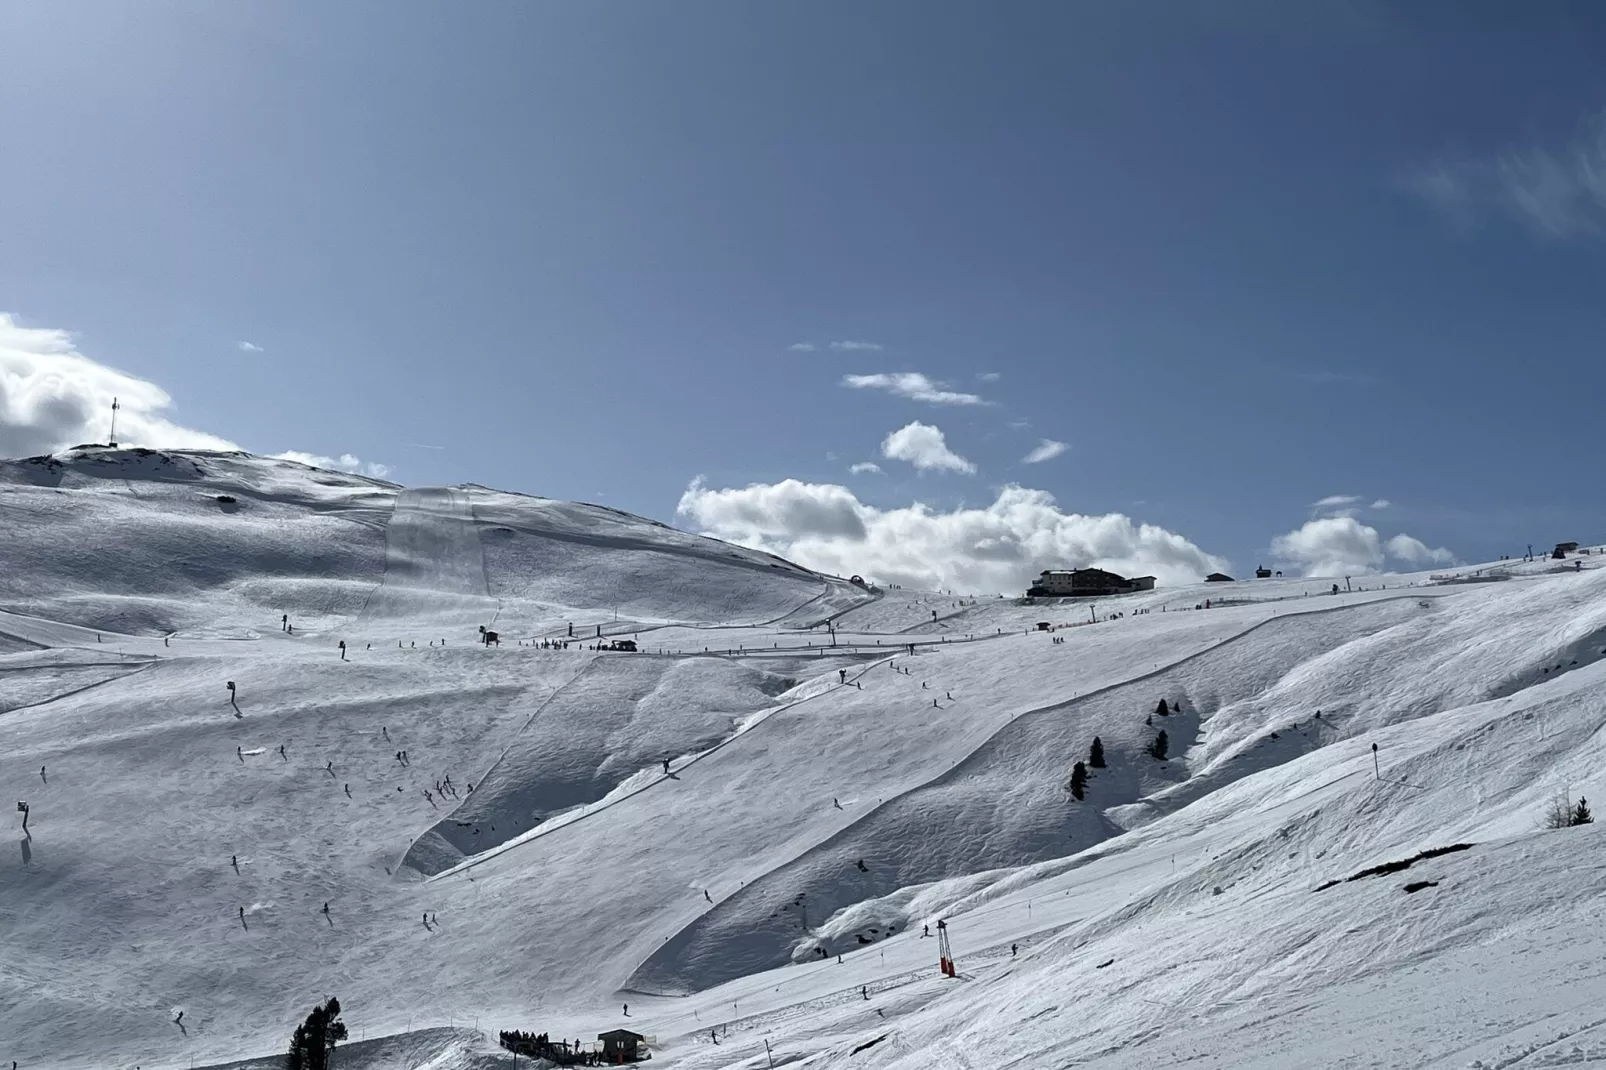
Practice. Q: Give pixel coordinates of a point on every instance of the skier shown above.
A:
(384, 731)
(348, 791)
(842, 676)
(326, 907)
(329, 767)
(281, 752)
(179, 1019)
(239, 754)
(284, 622)
(864, 990)
(234, 860)
(666, 766)
(627, 1010)
(925, 930)
(426, 919)
(242, 915)
(835, 803)
(707, 896)
(1014, 949)
(42, 775)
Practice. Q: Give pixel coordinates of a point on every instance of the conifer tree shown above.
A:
(1162, 709)
(1095, 754)
(1159, 746)
(1078, 781)
(315, 1038)
(1581, 813)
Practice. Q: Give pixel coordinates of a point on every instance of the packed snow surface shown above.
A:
(845, 769)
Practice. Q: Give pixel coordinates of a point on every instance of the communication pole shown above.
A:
(112, 441)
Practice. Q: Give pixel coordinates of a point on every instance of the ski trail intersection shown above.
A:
(829, 796)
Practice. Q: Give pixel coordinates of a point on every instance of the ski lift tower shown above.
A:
(945, 950)
(111, 440)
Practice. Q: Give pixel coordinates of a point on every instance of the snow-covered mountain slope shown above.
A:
(824, 803)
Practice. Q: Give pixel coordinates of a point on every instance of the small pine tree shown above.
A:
(1159, 746)
(315, 1038)
(1162, 709)
(1581, 813)
(1095, 754)
(1078, 781)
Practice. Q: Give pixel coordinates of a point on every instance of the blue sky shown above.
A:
(1238, 259)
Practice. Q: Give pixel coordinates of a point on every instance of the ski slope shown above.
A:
(828, 796)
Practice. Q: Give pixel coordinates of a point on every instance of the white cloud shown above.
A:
(800, 347)
(923, 446)
(1555, 191)
(999, 548)
(911, 385)
(988, 377)
(1381, 503)
(344, 463)
(1335, 499)
(53, 397)
(1046, 450)
(1331, 546)
(248, 347)
(865, 466)
(1343, 546)
(1020, 423)
(857, 347)
(1416, 552)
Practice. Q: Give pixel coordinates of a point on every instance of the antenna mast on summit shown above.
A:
(112, 441)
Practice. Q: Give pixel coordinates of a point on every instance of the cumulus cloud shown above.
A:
(996, 549)
(53, 397)
(1046, 450)
(1343, 546)
(1416, 552)
(344, 463)
(857, 347)
(911, 385)
(865, 466)
(923, 446)
(248, 347)
(1554, 190)
(1381, 503)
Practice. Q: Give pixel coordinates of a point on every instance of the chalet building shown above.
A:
(1263, 573)
(1218, 577)
(1085, 583)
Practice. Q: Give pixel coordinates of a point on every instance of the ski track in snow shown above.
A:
(1171, 918)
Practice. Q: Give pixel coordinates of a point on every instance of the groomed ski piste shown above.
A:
(829, 796)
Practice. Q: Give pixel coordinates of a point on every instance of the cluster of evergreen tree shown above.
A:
(1095, 758)
(315, 1039)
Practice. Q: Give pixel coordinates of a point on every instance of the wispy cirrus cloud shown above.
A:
(925, 447)
(800, 347)
(914, 386)
(248, 347)
(1045, 450)
(857, 347)
(988, 377)
(865, 467)
(1555, 191)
